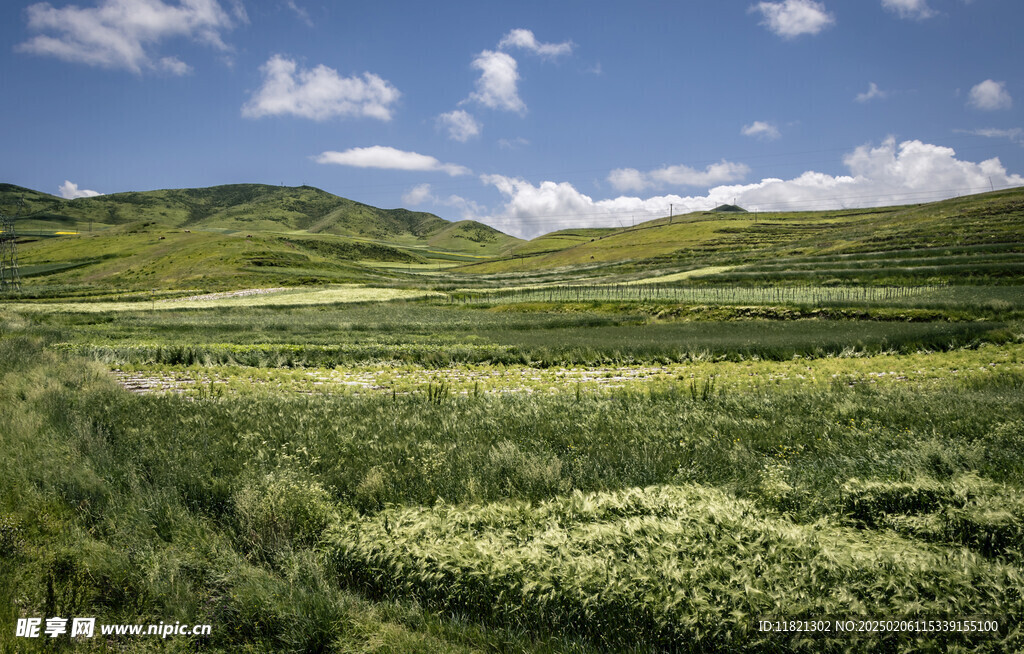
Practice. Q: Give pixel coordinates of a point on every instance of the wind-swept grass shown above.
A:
(679, 568)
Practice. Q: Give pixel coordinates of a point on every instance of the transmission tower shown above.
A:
(10, 279)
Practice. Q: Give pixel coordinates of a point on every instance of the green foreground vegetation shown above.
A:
(444, 507)
(813, 417)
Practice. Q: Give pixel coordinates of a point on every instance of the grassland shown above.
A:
(245, 510)
(348, 449)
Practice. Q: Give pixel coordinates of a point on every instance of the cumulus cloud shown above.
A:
(631, 179)
(417, 195)
(126, 33)
(628, 179)
(461, 125)
(990, 96)
(498, 84)
(422, 194)
(872, 93)
(891, 173)
(520, 38)
(319, 93)
(791, 18)
(761, 130)
(69, 191)
(379, 156)
(916, 9)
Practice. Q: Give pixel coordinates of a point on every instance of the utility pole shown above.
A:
(670, 213)
(10, 279)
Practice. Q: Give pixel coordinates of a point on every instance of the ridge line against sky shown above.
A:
(400, 104)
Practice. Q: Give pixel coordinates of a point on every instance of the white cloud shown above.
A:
(468, 209)
(422, 194)
(990, 96)
(630, 179)
(69, 191)
(791, 18)
(379, 156)
(301, 13)
(1013, 134)
(461, 125)
(417, 195)
(513, 144)
(520, 38)
(497, 86)
(916, 9)
(761, 130)
(125, 33)
(872, 93)
(889, 174)
(174, 66)
(319, 93)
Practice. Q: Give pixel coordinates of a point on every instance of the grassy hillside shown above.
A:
(939, 241)
(140, 256)
(239, 207)
(239, 235)
(560, 240)
(249, 235)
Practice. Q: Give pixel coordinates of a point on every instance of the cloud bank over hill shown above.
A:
(889, 174)
(70, 191)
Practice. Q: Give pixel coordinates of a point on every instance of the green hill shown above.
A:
(248, 208)
(251, 234)
(230, 236)
(953, 240)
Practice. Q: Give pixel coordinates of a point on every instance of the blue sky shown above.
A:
(530, 116)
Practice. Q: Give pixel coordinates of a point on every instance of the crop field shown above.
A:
(814, 417)
(477, 379)
(908, 296)
(285, 297)
(553, 476)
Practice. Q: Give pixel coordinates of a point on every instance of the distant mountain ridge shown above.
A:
(250, 207)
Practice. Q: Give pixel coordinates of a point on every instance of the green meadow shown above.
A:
(319, 426)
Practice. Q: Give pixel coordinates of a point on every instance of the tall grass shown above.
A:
(247, 511)
(680, 569)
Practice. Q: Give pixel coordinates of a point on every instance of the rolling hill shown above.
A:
(249, 208)
(951, 240)
(256, 235)
(229, 236)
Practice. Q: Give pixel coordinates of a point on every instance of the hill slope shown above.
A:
(229, 236)
(249, 208)
(971, 231)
